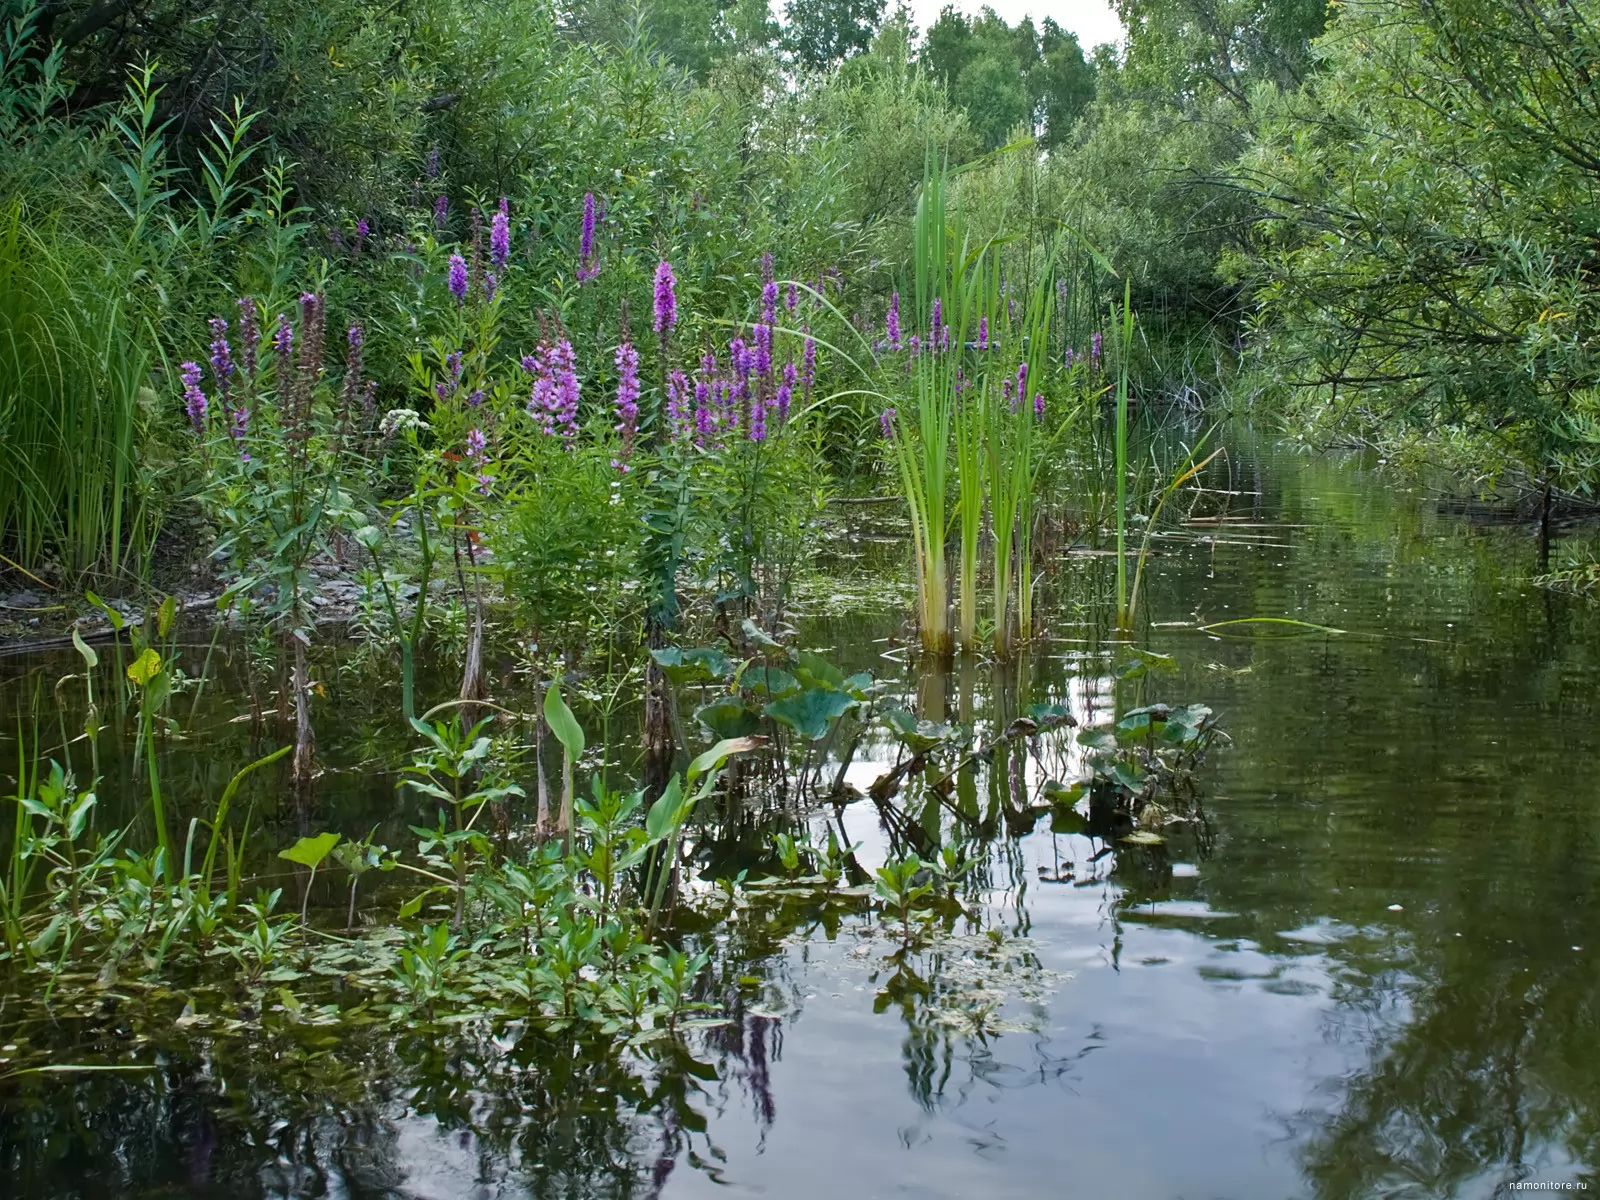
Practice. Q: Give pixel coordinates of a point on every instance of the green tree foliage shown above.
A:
(1429, 279)
(823, 32)
(1005, 77)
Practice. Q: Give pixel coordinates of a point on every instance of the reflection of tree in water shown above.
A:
(1485, 1071)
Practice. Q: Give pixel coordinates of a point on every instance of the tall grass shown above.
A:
(71, 373)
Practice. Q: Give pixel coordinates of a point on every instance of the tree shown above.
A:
(1428, 260)
(821, 33)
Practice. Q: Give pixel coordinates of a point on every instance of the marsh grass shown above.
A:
(72, 371)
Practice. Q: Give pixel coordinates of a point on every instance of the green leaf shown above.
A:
(145, 668)
(728, 718)
(112, 615)
(663, 814)
(720, 753)
(812, 712)
(165, 615)
(815, 671)
(775, 681)
(702, 665)
(562, 723)
(310, 851)
(917, 736)
(758, 636)
(90, 658)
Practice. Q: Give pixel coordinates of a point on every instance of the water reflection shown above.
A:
(1373, 969)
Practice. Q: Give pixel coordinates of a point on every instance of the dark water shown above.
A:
(1373, 971)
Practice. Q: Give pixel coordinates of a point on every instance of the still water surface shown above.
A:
(1373, 971)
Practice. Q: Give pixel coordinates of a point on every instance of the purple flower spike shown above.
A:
(791, 299)
(458, 278)
(1094, 351)
(500, 235)
(221, 356)
(627, 361)
(441, 210)
(886, 423)
(1038, 406)
(808, 370)
(666, 298)
(758, 421)
(194, 400)
(782, 400)
(983, 333)
(477, 446)
(249, 334)
(893, 321)
(587, 269)
(1022, 381)
(937, 333)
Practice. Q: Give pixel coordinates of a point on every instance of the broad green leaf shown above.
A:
(775, 681)
(562, 723)
(720, 753)
(816, 671)
(145, 668)
(165, 615)
(758, 636)
(728, 718)
(310, 851)
(918, 736)
(701, 665)
(811, 712)
(661, 818)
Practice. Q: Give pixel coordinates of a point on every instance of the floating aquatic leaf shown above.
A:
(915, 735)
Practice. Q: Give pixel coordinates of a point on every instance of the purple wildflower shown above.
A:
(766, 268)
(249, 334)
(666, 298)
(441, 210)
(1038, 406)
(475, 398)
(221, 357)
(477, 446)
(808, 371)
(500, 235)
(791, 299)
(1005, 394)
(702, 411)
(587, 269)
(194, 400)
(1022, 381)
(782, 400)
(758, 421)
(354, 367)
(1068, 359)
(627, 361)
(564, 372)
(983, 333)
(458, 278)
(678, 400)
(1094, 351)
(490, 285)
(363, 229)
(937, 332)
(432, 166)
(886, 423)
(893, 321)
(239, 428)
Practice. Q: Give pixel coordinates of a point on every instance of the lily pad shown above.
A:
(728, 718)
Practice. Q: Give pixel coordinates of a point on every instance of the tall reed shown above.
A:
(71, 372)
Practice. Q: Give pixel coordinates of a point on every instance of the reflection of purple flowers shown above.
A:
(458, 278)
(892, 322)
(500, 235)
(194, 400)
(441, 210)
(666, 298)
